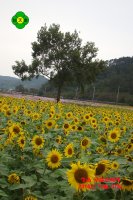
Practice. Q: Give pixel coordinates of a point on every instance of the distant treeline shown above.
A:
(115, 84)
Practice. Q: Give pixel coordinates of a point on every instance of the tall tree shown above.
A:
(61, 58)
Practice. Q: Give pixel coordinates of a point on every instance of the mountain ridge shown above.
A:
(8, 82)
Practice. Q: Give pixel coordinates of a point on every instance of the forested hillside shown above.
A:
(114, 84)
(7, 82)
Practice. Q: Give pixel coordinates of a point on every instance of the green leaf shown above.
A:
(3, 194)
(30, 180)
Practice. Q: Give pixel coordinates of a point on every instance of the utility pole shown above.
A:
(76, 94)
(117, 96)
(93, 93)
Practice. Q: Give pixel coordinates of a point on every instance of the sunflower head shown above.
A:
(15, 130)
(115, 165)
(66, 126)
(37, 142)
(100, 150)
(102, 167)
(114, 135)
(69, 151)
(79, 128)
(21, 141)
(30, 197)
(126, 184)
(79, 172)
(50, 123)
(85, 143)
(53, 159)
(13, 178)
(58, 139)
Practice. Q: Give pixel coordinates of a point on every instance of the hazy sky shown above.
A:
(108, 23)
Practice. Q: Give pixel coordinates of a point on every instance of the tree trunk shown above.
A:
(58, 94)
(82, 90)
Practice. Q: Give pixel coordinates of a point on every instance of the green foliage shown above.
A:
(62, 58)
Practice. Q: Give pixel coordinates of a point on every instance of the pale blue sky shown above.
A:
(108, 23)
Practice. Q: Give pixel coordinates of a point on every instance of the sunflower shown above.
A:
(86, 117)
(30, 197)
(93, 121)
(57, 116)
(69, 151)
(66, 132)
(100, 150)
(9, 122)
(69, 115)
(131, 140)
(85, 143)
(38, 127)
(37, 153)
(15, 130)
(119, 151)
(129, 158)
(105, 119)
(13, 178)
(126, 184)
(114, 135)
(22, 123)
(77, 172)
(53, 159)
(73, 127)
(8, 113)
(66, 126)
(58, 139)
(115, 165)
(76, 120)
(37, 142)
(21, 141)
(130, 147)
(103, 139)
(102, 167)
(80, 128)
(95, 126)
(35, 116)
(50, 123)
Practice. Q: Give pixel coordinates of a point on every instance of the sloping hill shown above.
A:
(7, 82)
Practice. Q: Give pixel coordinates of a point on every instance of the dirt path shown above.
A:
(88, 103)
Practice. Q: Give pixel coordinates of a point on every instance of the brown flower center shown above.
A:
(38, 141)
(66, 125)
(100, 169)
(84, 142)
(79, 128)
(16, 129)
(115, 165)
(129, 146)
(119, 151)
(22, 141)
(126, 182)
(103, 139)
(54, 159)
(49, 123)
(70, 151)
(79, 174)
(57, 140)
(8, 113)
(113, 135)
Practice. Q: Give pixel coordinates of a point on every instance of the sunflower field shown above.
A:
(51, 151)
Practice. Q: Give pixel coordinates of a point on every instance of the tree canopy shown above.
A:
(62, 58)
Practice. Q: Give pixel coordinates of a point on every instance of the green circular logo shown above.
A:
(20, 20)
